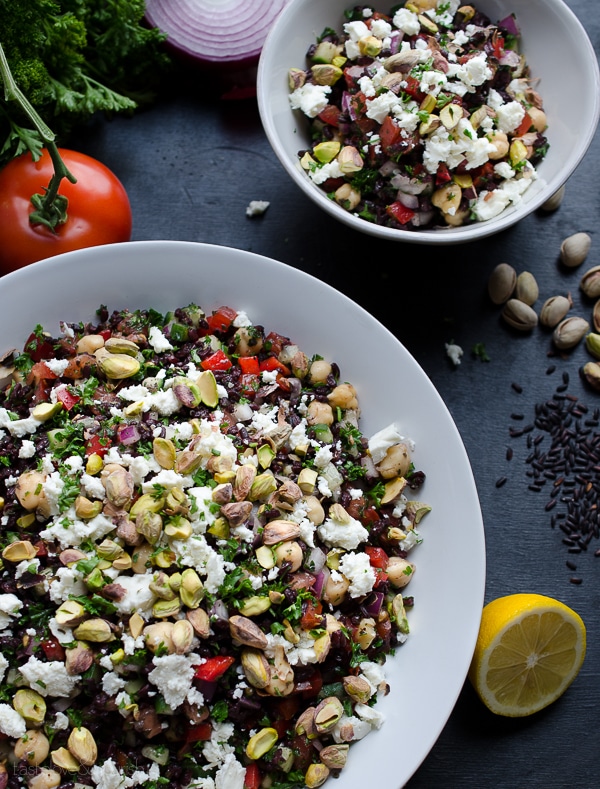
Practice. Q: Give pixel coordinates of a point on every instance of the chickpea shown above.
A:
(447, 198)
(500, 142)
(538, 119)
(455, 220)
(291, 552)
(347, 197)
(33, 746)
(319, 371)
(319, 413)
(29, 490)
(399, 571)
(90, 343)
(343, 396)
(314, 510)
(365, 633)
(248, 341)
(336, 587)
(396, 462)
(45, 779)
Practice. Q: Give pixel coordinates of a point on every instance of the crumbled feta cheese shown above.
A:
(10, 605)
(407, 21)
(173, 675)
(138, 595)
(357, 568)
(11, 722)
(49, 679)
(380, 442)
(310, 99)
(454, 352)
(257, 207)
(158, 341)
(3, 666)
(347, 535)
(27, 449)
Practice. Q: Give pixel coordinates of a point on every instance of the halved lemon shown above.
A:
(529, 650)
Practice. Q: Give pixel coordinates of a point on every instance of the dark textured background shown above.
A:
(192, 163)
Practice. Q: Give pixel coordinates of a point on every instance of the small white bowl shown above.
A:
(560, 56)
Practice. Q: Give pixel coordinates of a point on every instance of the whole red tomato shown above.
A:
(98, 212)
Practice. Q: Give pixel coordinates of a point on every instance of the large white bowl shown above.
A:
(556, 47)
(426, 675)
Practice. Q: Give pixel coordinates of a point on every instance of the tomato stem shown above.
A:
(51, 207)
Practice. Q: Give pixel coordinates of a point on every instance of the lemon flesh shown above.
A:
(529, 650)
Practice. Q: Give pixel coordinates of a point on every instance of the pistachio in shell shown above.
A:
(590, 282)
(501, 283)
(570, 332)
(526, 288)
(519, 315)
(574, 249)
(554, 310)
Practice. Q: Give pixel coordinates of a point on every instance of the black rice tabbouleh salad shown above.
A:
(204, 561)
(423, 117)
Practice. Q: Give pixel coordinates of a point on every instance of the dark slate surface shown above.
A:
(192, 163)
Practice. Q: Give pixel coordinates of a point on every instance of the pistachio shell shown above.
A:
(554, 310)
(575, 249)
(554, 202)
(527, 289)
(519, 315)
(501, 283)
(590, 282)
(569, 332)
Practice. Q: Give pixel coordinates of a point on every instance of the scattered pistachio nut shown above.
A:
(596, 316)
(526, 288)
(590, 282)
(82, 745)
(519, 315)
(591, 373)
(575, 249)
(569, 332)
(554, 201)
(554, 310)
(592, 343)
(501, 283)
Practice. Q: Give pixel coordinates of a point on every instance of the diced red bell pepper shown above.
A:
(330, 115)
(442, 175)
(413, 88)
(389, 134)
(217, 361)
(400, 212)
(377, 557)
(221, 319)
(370, 516)
(380, 577)
(274, 342)
(214, 668)
(249, 365)
(96, 445)
(41, 372)
(524, 126)
(497, 45)
(253, 777)
(249, 385)
(52, 649)
(272, 363)
(66, 397)
(199, 732)
(37, 348)
(358, 104)
(312, 615)
(105, 334)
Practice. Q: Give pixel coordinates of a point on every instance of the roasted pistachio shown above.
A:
(316, 775)
(255, 667)
(590, 282)
(119, 366)
(519, 315)
(569, 332)
(78, 658)
(554, 310)
(592, 343)
(261, 742)
(82, 745)
(30, 705)
(591, 373)
(245, 631)
(280, 530)
(19, 551)
(575, 249)
(95, 630)
(182, 636)
(334, 756)
(526, 288)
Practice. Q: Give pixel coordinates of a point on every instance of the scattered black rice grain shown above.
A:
(575, 580)
(517, 387)
(564, 447)
(551, 369)
(509, 453)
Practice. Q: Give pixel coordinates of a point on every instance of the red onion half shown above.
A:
(223, 34)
